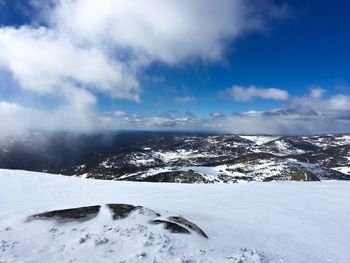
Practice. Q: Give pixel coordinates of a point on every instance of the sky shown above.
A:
(237, 66)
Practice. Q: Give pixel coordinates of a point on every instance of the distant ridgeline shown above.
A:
(180, 157)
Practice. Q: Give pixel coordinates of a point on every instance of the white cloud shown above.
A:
(84, 47)
(184, 100)
(216, 114)
(76, 114)
(299, 115)
(339, 102)
(164, 30)
(333, 105)
(244, 94)
(103, 44)
(119, 113)
(284, 124)
(45, 62)
(317, 93)
(15, 118)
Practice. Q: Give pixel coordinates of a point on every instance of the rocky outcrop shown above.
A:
(171, 226)
(305, 175)
(188, 224)
(174, 224)
(80, 213)
(120, 211)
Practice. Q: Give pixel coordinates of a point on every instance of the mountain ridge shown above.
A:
(210, 158)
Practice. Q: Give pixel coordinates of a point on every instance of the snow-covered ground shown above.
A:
(251, 170)
(328, 140)
(179, 154)
(260, 140)
(149, 172)
(342, 169)
(253, 222)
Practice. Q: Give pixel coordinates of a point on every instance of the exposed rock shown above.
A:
(79, 213)
(185, 177)
(305, 175)
(121, 210)
(146, 211)
(101, 241)
(188, 224)
(172, 227)
(176, 224)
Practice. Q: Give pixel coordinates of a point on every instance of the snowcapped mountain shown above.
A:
(180, 157)
(53, 218)
(50, 218)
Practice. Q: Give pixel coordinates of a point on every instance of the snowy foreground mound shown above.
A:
(254, 222)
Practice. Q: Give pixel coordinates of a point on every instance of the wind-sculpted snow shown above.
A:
(246, 223)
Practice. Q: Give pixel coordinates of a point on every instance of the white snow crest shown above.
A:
(275, 222)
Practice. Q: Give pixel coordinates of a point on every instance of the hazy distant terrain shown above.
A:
(180, 157)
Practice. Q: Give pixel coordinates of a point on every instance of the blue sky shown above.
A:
(281, 46)
(310, 48)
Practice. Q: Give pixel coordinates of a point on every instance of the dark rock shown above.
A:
(172, 227)
(305, 175)
(80, 213)
(121, 210)
(188, 224)
(185, 177)
(146, 211)
(84, 238)
(101, 241)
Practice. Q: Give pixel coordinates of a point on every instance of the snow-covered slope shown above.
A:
(253, 222)
(168, 156)
(260, 140)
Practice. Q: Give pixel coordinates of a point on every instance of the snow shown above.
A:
(331, 140)
(106, 164)
(142, 159)
(256, 170)
(149, 172)
(212, 172)
(179, 154)
(260, 140)
(80, 167)
(342, 169)
(166, 156)
(253, 222)
(343, 139)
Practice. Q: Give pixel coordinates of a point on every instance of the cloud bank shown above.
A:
(184, 100)
(309, 114)
(304, 115)
(76, 49)
(245, 94)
